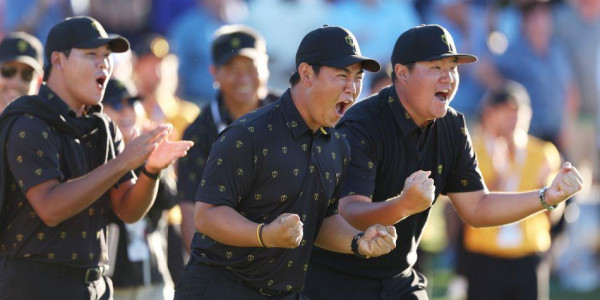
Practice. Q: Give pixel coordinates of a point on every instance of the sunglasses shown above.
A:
(8, 71)
(126, 102)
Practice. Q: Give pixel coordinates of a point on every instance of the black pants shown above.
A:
(492, 278)
(32, 283)
(199, 281)
(323, 283)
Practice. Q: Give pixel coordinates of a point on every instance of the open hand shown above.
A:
(166, 152)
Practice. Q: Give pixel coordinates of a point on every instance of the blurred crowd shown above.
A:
(550, 50)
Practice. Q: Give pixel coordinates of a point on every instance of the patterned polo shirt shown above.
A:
(387, 147)
(37, 152)
(265, 164)
(203, 132)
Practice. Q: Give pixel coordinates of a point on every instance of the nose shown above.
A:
(352, 86)
(448, 76)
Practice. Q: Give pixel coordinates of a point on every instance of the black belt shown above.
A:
(84, 275)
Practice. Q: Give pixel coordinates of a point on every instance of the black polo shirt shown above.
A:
(265, 164)
(37, 152)
(387, 147)
(203, 132)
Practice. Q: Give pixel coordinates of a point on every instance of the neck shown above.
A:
(421, 122)
(300, 98)
(59, 87)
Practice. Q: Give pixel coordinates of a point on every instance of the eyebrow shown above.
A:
(345, 69)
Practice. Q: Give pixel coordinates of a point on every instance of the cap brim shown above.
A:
(461, 58)
(246, 52)
(28, 60)
(116, 43)
(368, 64)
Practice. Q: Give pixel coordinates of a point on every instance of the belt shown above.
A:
(83, 275)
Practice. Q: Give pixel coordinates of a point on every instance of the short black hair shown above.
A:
(295, 78)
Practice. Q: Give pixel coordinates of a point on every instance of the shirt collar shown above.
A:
(293, 119)
(60, 105)
(403, 119)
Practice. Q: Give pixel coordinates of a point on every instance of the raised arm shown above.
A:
(482, 208)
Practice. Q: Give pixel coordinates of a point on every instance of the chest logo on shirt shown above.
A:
(38, 172)
(240, 172)
(296, 172)
(283, 198)
(304, 147)
(239, 144)
(316, 196)
(229, 254)
(284, 150)
(250, 257)
(440, 169)
(257, 196)
(219, 161)
(265, 152)
(274, 174)
(221, 188)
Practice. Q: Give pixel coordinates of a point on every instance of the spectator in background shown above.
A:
(578, 30)
(139, 264)
(285, 33)
(155, 77)
(239, 66)
(529, 60)
(190, 36)
(510, 160)
(21, 61)
(35, 16)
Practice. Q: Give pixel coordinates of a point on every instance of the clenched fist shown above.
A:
(283, 232)
(567, 182)
(418, 193)
(377, 240)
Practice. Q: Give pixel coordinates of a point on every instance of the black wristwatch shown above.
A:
(354, 245)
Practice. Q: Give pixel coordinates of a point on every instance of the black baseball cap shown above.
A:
(333, 46)
(83, 33)
(233, 40)
(427, 42)
(22, 47)
(118, 93)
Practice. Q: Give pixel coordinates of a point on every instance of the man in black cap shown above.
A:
(409, 146)
(240, 70)
(21, 62)
(267, 193)
(64, 168)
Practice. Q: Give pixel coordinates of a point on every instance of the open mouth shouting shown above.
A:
(342, 107)
(101, 80)
(443, 96)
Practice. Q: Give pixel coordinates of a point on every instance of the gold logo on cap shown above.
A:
(447, 39)
(99, 28)
(235, 42)
(350, 40)
(22, 46)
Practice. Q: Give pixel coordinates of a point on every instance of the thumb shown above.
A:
(290, 220)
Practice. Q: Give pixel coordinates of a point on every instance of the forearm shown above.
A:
(361, 213)
(496, 209)
(187, 223)
(56, 202)
(225, 225)
(136, 200)
(336, 235)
